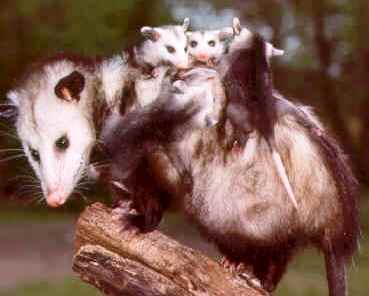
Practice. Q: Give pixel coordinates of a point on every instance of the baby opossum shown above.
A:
(208, 47)
(251, 105)
(130, 140)
(164, 49)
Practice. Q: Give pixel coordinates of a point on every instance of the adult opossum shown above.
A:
(238, 201)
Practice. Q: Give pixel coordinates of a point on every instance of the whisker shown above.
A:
(10, 150)
(12, 158)
(9, 135)
(85, 199)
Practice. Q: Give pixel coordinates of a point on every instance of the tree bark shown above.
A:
(123, 263)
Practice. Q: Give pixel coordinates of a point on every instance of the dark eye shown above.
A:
(35, 155)
(211, 43)
(193, 44)
(186, 49)
(62, 143)
(170, 49)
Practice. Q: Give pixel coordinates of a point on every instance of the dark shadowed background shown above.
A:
(326, 65)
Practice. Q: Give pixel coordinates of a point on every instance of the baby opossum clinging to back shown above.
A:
(163, 51)
(61, 103)
(131, 140)
(240, 204)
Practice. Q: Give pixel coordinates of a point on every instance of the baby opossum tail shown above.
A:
(282, 173)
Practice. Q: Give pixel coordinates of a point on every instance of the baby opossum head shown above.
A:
(55, 126)
(166, 45)
(242, 36)
(196, 89)
(208, 47)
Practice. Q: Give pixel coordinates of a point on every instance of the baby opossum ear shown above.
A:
(70, 87)
(150, 33)
(226, 34)
(236, 25)
(9, 110)
(186, 24)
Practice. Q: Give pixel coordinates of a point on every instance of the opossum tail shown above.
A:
(335, 265)
(282, 173)
(346, 243)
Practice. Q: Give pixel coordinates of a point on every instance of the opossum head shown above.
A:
(196, 89)
(243, 37)
(166, 45)
(208, 47)
(55, 126)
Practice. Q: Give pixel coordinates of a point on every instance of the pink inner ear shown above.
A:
(155, 35)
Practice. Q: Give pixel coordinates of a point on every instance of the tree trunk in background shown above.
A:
(330, 99)
(362, 80)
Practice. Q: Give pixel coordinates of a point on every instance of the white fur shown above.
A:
(113, 73)
(148, 89)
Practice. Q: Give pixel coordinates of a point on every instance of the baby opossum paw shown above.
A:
(155, 73)
(125, 214)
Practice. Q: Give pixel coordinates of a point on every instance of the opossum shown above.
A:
(249, 88)
(208, 47)
(163, 50)
(239, 204)
(130, 140)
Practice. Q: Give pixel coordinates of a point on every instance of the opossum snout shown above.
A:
(56, 198)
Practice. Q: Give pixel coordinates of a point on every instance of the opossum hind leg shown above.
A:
(270, 269)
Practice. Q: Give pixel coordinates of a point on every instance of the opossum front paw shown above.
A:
(126, 215)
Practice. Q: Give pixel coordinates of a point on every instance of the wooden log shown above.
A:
(122, 263)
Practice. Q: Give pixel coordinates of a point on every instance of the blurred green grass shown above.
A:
(68, 286)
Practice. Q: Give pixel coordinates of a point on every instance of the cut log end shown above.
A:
(119, 263)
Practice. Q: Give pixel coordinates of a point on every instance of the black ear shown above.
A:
(8, 112)
(70, 87)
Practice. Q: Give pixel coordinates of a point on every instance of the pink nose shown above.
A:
(202, 57)
(56, 198)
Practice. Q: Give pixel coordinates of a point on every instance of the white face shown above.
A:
(207, 46)
(165, 45)
(57, 137)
